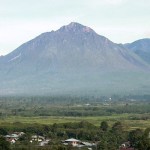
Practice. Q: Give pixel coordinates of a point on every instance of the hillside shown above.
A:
(141, 48)
(72, 60)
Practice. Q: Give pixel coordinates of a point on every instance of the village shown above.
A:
(42, 141)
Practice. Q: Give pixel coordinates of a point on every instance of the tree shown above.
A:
(117, 127)
(102, 145)
(104, 126)
(135, 137)
(3, 131)
(144, 142)
(118, 135)
(4, 145)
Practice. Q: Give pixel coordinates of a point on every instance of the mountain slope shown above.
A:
(141, 48)
(73, 59)
(73, 46)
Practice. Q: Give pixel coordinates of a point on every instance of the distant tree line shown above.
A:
(72, 106)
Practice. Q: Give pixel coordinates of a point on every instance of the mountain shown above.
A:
(141, 48)
(71, 47)
(73, 59)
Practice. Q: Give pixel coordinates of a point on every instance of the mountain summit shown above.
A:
(76, 27)
(73, 58)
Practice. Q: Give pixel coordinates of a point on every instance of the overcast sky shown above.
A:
(121, 21)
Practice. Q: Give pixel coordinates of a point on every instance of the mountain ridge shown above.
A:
(73, 58)
(141, 48)
(76, 35)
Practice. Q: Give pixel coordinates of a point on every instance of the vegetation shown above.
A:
(74, 106)
(134, 111)
(110, 139)
(4, 145)
(106, 121)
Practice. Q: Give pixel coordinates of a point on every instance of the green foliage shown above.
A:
(117, 127)
(139, 139)
(135, 136)
(59, 118)
(104, 126)
(4, 145)
(3, 131)
(109, 139)
(72, 106)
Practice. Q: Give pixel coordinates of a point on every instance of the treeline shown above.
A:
(72, 106)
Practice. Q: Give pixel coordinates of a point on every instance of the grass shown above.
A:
(48, 120)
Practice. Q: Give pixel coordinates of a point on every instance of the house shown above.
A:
(36, 138)
(87, 104)
(19, 133)
(43, 143)
(12, 138)
(72, 141)
(15, 136)
(88, 144)
(12, 141)
(78, 143)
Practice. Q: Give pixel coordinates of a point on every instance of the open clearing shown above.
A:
(48, 120)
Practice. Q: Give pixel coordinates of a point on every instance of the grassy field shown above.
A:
(49, 110)
(124, 118)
